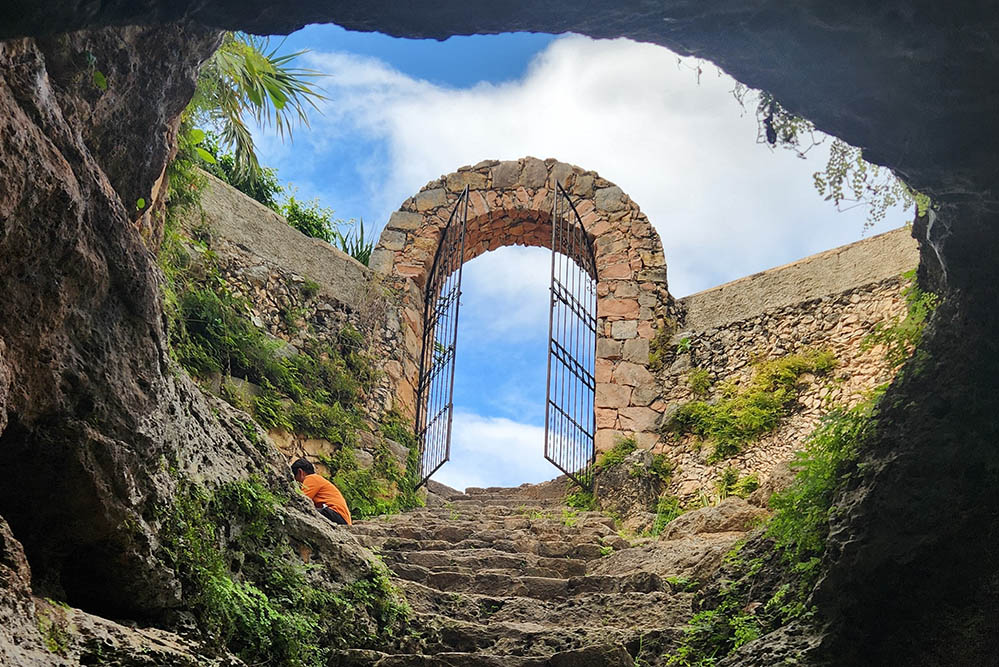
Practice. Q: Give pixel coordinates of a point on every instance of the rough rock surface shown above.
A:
(98, 424)
(510, 576)
(912, 82)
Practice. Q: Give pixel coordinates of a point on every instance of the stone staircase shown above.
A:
(495, 577)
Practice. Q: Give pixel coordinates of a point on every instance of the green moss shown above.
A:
(742, 415)
(266, 608)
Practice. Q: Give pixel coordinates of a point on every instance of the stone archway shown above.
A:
(510, 203)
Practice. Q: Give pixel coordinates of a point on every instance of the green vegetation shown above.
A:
(55, 629)
(900, 336)
(796, 537)
(683, 584)
(241, 80)
(580, 499)
(617, 454)
(667, 508)
(847, 180)
(659, 347)
(251, 592)
(743, 414)
(732, 483)
(801, 512)
(699, 380)
(383, 488)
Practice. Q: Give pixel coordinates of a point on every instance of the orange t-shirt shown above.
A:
(323, 492)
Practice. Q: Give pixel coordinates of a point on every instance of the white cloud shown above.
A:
(490, 451)
(724, 206)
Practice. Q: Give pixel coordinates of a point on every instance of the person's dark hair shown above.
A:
(303, 464)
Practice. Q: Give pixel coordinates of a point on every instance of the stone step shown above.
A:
(438, 634)
(548, 549)
(503, 583)
(491, 559)
(592, 656)
(503, 501)
(626, 610)
(459, 532)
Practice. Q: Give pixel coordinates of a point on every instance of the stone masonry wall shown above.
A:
(510, 203)
(299, 288)
(828, 301)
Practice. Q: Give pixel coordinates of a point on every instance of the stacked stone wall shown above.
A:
(510, 203)
(300, 289)
(829, 301)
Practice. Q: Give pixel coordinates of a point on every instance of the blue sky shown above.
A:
(403, 112)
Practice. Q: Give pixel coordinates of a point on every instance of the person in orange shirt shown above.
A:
(327, 498)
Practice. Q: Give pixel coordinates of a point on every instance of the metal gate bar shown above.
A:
(435, 389)
(570, 421)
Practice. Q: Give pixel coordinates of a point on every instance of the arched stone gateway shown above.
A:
(510, 203)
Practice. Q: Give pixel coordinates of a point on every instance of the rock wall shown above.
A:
(828, 301)
(98, 428)
(912, 82)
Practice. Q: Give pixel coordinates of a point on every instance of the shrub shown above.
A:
(801, 512)
(310, 218)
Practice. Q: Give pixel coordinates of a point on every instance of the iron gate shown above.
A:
(435, 390)
(570, 422)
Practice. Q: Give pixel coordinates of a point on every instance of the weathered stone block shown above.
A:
(612, 395)
(381, 260)
(609, 199)
(623, 308)
(608, 349)
(430, 199)
(393, 239)
(405, 220)
(535, 173)
(457, 182)
(638, 419)
(636, 350)
(624, 329)
(632, 375)
(506, 174)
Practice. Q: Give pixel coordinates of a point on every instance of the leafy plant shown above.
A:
(801, 512)
(245, 79)
(353, 242)
(699, 381)
(667, 508)
(732, 483)
(742, 415)
(581, 499)
(617, 454)
(847, 180)
(311, 219)
(901, 336)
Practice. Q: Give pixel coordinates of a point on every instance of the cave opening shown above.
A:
(52, 499)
